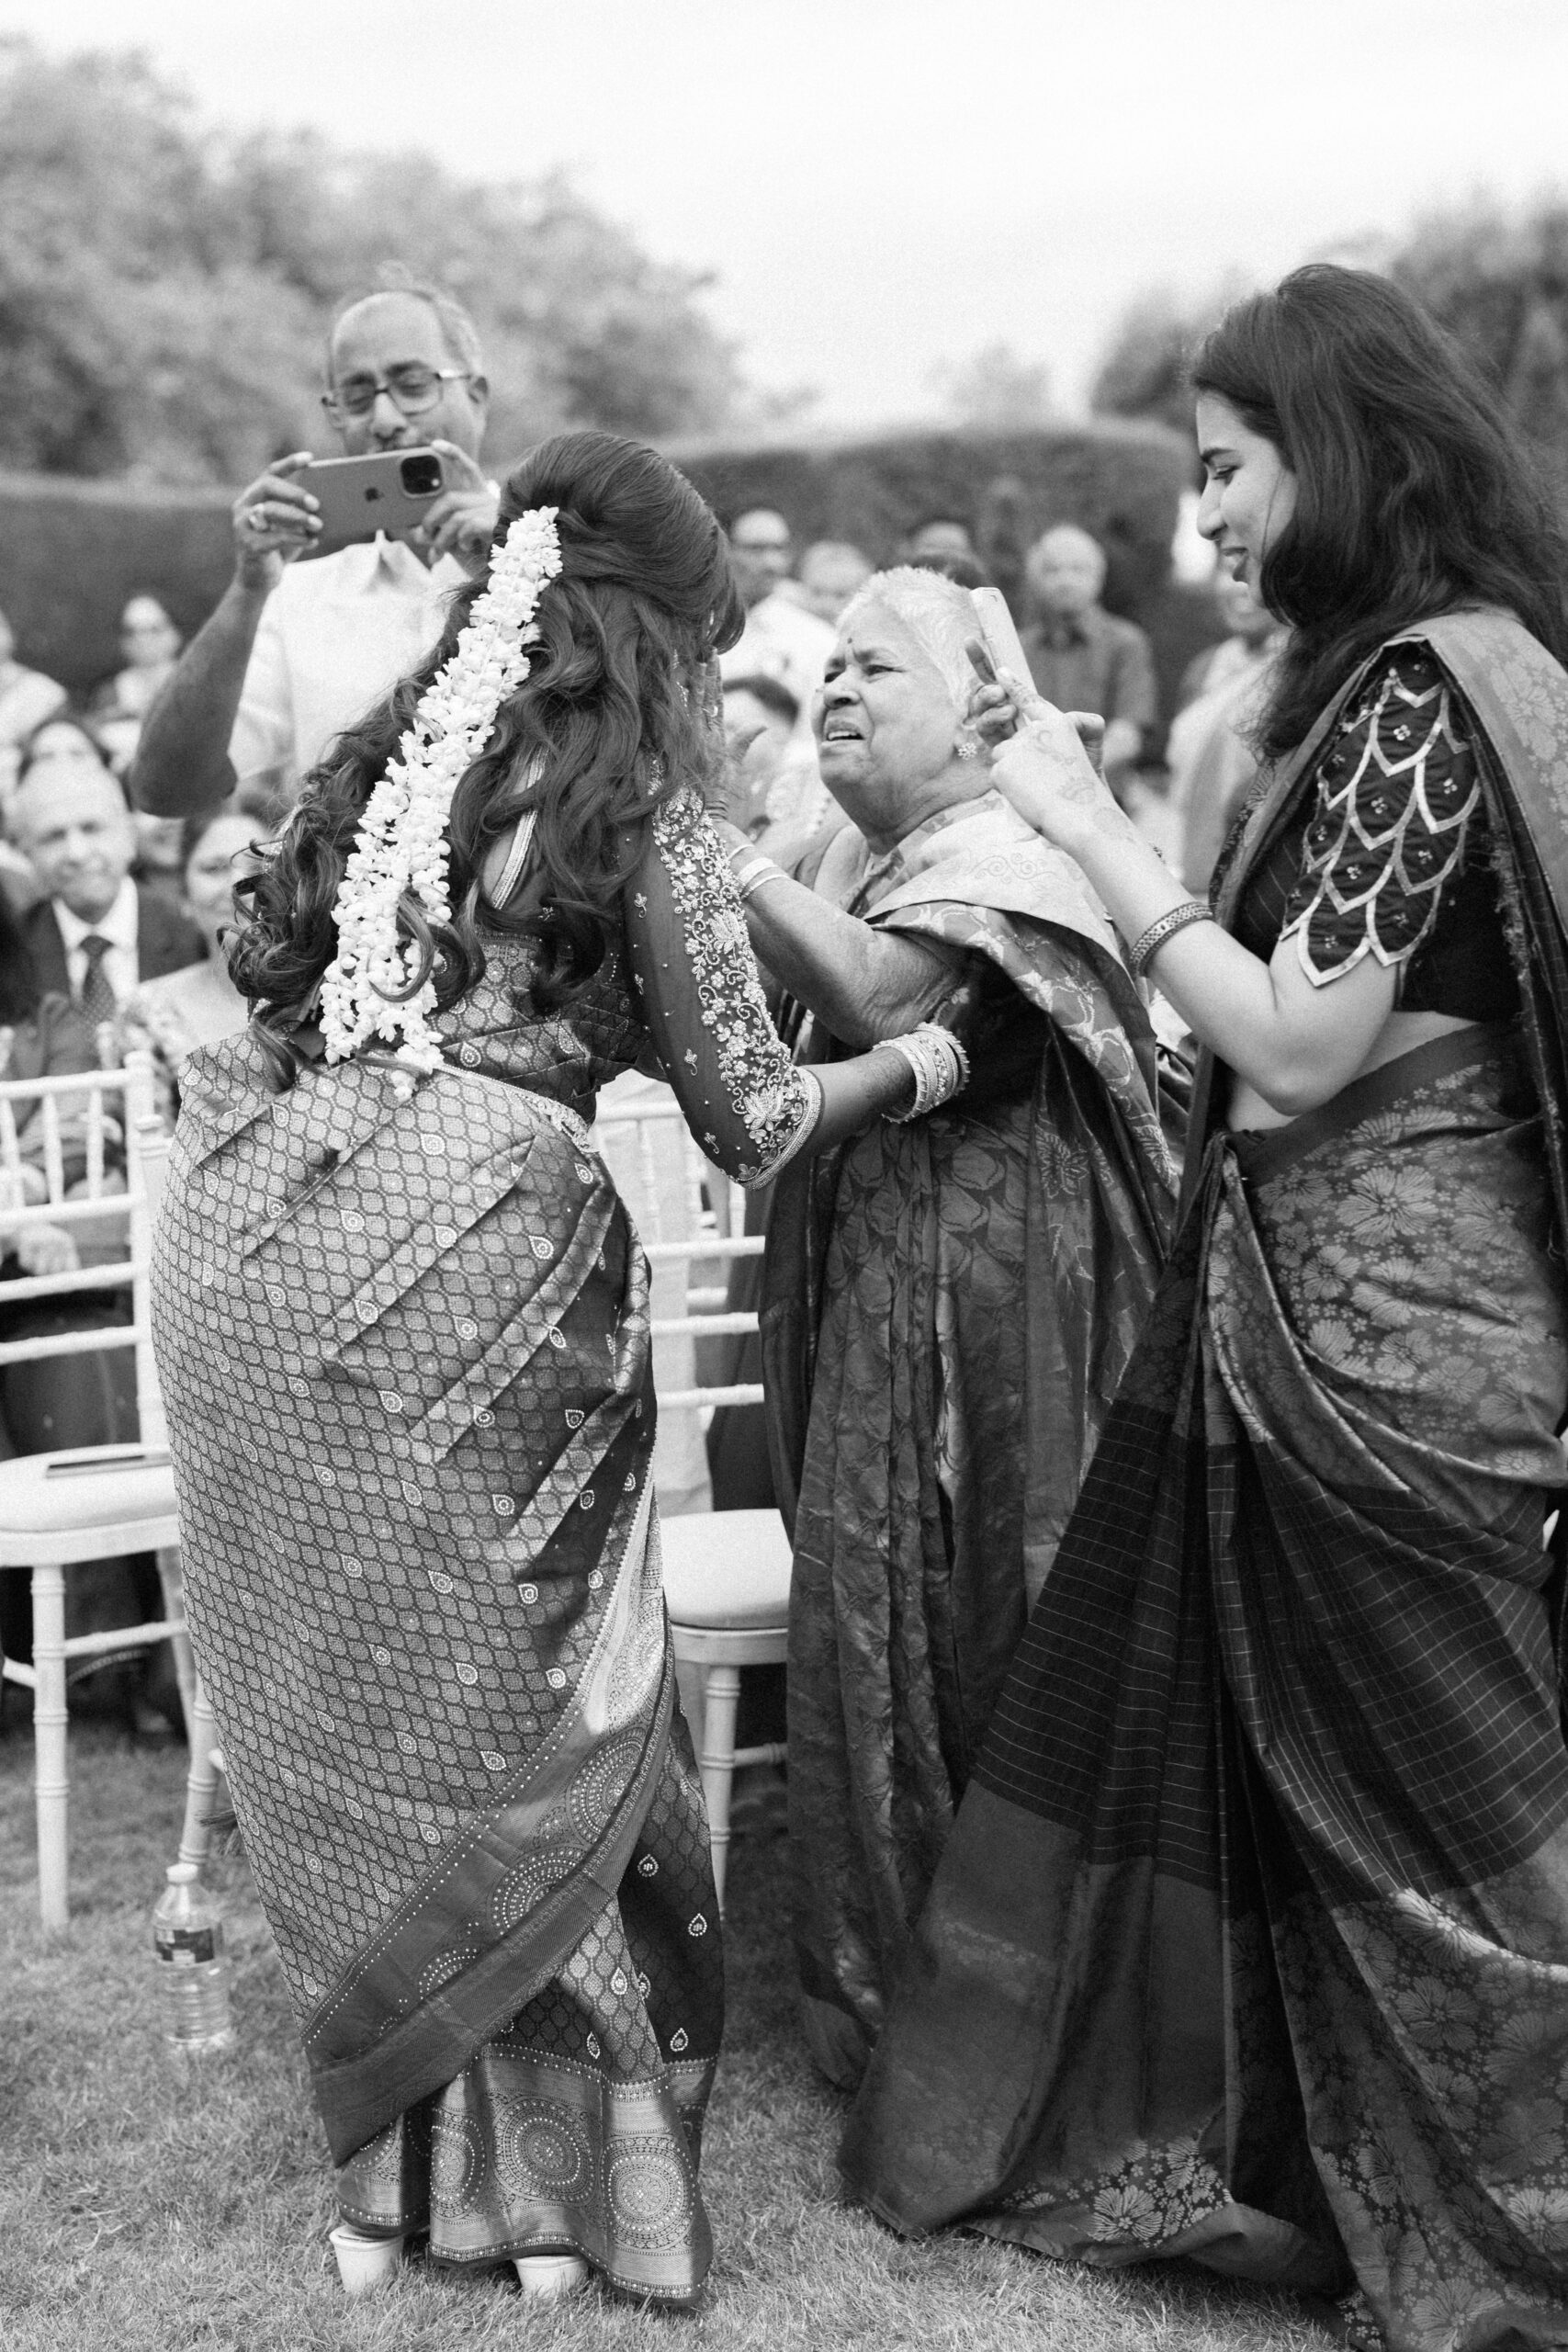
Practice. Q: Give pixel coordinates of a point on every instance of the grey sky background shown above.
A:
(884, 185)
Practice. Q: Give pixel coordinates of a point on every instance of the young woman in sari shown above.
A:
(403, 1330)
(949, 1305)
(1251, 1942)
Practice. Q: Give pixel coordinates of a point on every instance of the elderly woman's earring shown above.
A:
(967, 748)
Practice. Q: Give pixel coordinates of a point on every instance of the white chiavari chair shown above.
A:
(96, 1502)
(726, 1573)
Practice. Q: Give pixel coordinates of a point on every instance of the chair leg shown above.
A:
(52, 1780)
(721, 1697)
(201, 1780)
(171, 1577)
(689, 1681)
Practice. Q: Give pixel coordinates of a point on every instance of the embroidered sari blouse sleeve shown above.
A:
(1398, 790)
(743, 1096)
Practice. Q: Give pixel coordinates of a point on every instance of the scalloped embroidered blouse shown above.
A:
(1392, 859)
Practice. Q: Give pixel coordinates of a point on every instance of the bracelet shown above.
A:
(938, 1063)
(1150, 942)
(751, 875)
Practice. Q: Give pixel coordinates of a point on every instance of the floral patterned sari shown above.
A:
(1251, 1942)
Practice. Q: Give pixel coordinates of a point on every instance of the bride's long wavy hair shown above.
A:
(607, 724)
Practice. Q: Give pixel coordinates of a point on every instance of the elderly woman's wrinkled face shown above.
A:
(884, 719)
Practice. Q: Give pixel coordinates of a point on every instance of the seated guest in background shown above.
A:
(940, 534)
(149, 644)
(64, 1401)
(787, 798)
(294, 655)
(27, 699)
(1210, 753)
(1082, 658)
(93, 935)
(830, 571)
(948, 1303)
(964, 570)
(781, 640)
(198, 1003)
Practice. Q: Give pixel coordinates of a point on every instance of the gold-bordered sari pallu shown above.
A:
(1251, 1942)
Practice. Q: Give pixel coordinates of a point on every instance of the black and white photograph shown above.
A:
(784, 1176)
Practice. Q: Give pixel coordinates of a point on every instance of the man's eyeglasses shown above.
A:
(413, 389)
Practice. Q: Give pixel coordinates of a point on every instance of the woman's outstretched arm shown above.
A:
(744, 1100)
(1296, 1041)
(861, 984)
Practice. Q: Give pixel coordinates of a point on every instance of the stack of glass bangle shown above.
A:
(937, 1062)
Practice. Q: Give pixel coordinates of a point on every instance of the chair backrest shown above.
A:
(68, 1133)
(689, 1217)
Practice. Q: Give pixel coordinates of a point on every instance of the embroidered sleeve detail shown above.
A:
(763, 1092)
(1396, 791)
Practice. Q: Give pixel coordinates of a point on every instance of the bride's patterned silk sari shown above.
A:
(403, 1333)
(1251, 1940)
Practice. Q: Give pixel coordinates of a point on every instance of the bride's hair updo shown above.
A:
(607, 724)
(940, 616)
(1414, 492)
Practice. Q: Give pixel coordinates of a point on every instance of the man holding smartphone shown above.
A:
(293, 654)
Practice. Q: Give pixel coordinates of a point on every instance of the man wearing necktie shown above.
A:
(94, 936)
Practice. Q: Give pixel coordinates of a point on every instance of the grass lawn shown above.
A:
(144, 2207)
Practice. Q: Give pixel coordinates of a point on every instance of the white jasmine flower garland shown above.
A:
(402, 835)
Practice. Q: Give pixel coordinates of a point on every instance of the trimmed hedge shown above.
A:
(71, 552)
(1120, 481)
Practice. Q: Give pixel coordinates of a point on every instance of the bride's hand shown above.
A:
(1047, 770)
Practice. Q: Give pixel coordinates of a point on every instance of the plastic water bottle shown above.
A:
(192, 1974)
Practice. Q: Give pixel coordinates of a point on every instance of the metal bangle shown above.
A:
(938, 1063)
(752, 875)
(1148, 942)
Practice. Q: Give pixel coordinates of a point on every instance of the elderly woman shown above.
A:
(948, 1304)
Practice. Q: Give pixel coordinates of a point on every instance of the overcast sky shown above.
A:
(883, 185)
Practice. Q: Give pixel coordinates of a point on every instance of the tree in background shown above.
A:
(165, 291)
(1499, 281)
(996, 391)
(1144, 372)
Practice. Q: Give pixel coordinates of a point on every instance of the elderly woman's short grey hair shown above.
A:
(939, 615)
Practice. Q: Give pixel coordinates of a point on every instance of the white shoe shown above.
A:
(552, 2278)
(364, 2264)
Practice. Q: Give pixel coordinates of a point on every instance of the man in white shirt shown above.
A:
(781, 640)
(295, 653)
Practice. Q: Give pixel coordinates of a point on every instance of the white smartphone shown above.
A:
(390, 490)
(1002, 638)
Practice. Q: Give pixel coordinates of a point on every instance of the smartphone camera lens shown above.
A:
(420, 476)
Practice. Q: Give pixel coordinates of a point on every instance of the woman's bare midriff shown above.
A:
(1401, 1034)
